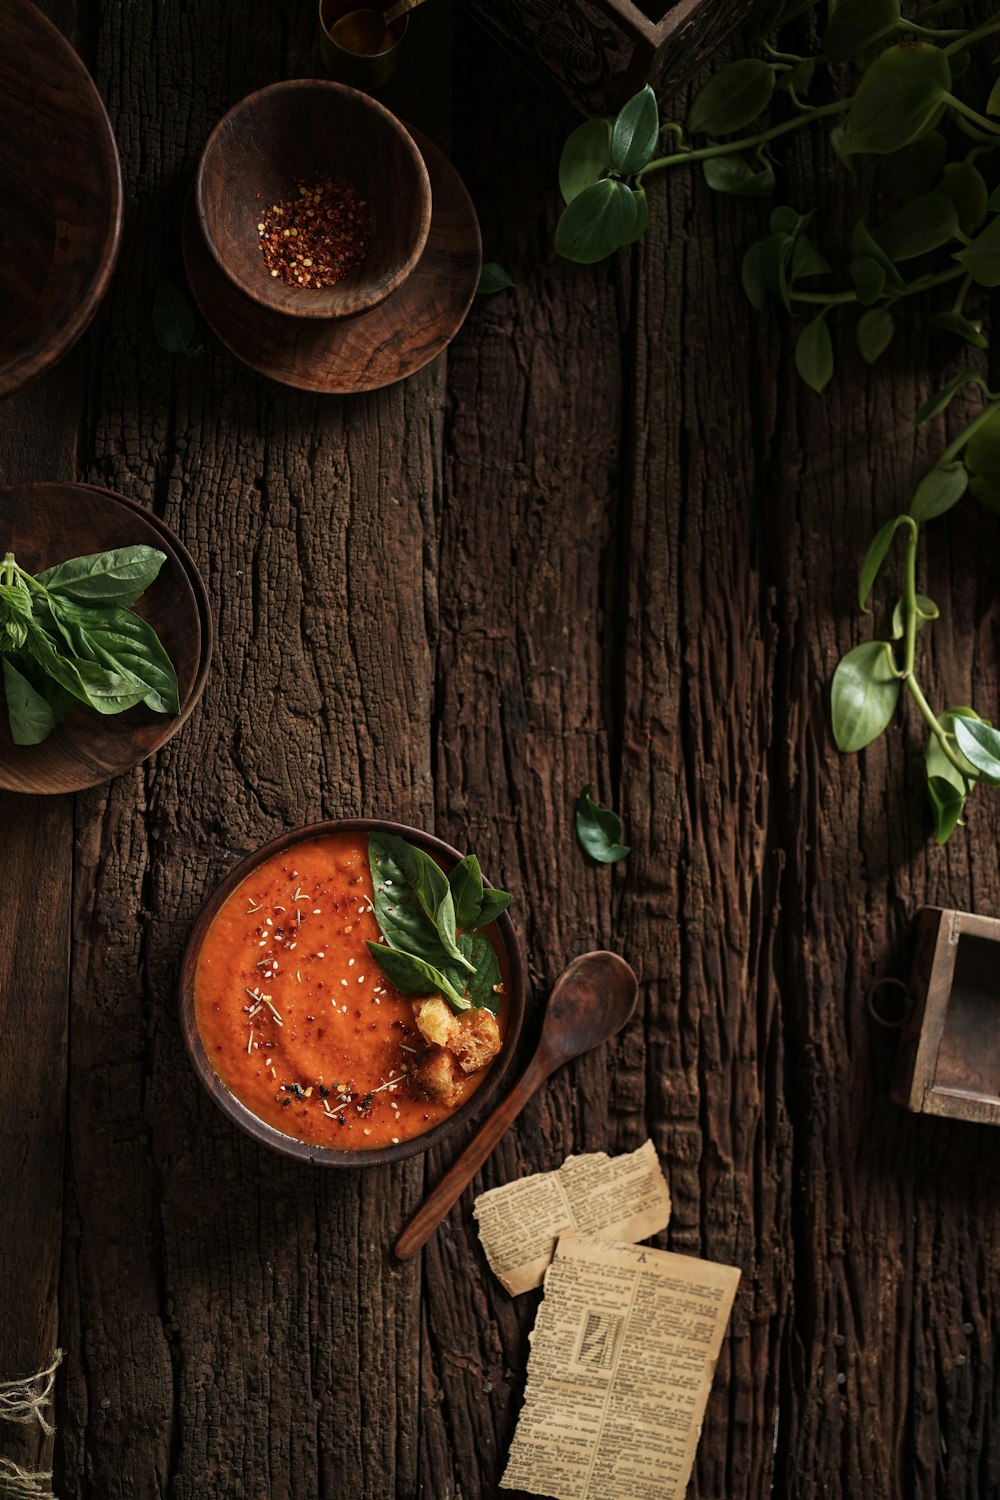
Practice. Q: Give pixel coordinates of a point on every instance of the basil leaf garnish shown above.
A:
(598, 829)
(31, 717)
(413, 976)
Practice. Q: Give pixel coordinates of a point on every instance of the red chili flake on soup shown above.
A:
(318, 237)
(300, 1022)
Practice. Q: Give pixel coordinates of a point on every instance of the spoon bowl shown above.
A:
(591, 1000)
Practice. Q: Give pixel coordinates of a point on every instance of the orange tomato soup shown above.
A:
(296, 1016)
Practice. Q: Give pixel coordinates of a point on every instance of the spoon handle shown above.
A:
(457, 1178)
(399, 9)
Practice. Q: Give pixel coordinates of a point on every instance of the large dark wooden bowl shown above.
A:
(291, 134)
(511, 964)
(61, 191)
(43, 524)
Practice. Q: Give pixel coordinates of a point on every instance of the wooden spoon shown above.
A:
(591, 1000)
(366, 31)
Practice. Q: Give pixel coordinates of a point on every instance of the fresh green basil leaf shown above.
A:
(914, 169)
(105, 690)
(901, 95)
(413, 976)
(173, 319)
(466, 881)
(980, 744)
(402, 919)
(30, 716)
(734, 97)
(586, 157)
(814, 354)
(982, 454)
(863, 695)
(963, 328)
(598, 829)
(493, 903)
(935, 405)
(874, 333)
(15, 612)
(480, 987)
(115, 577)
(635, 132)
(597, 222)
(921, 225)
(948, 804)
(875, 557)
(857, 24)
(124, 643)
(428, 882)
(981, 258)
(493, 278)
(939, 490)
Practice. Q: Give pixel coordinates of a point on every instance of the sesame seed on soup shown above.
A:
(295, 1015)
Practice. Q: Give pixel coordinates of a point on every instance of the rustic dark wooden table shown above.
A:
(607, 537)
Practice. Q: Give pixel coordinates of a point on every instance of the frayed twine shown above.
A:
(22, 1401)
(19, 1484)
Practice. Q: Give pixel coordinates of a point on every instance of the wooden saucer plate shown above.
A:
(372, 349)
(62, 195)
(43, 524)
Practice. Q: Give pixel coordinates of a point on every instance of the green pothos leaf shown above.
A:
(863, 695)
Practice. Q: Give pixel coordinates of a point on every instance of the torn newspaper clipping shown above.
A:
(622, 1357)
(618, 1197)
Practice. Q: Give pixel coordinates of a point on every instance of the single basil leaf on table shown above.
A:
(30, 715)
(173, 319)
(115, 577)
(102, 689)
(863, 695)
(122, 642)
(635, 132)
(413, 976)
(598, 829)
(493, 278)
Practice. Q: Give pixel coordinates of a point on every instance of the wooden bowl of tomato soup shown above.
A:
(290, 1023)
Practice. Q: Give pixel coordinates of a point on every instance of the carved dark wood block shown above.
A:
(600, 52)
(949, 1057)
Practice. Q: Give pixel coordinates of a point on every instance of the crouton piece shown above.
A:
(435, 1021)
(478, 1040)
(437, 1075)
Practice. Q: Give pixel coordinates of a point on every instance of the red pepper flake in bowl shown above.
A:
(317, 238)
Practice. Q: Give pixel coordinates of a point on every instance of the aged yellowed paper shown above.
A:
(622, 1357)
(618, 1197)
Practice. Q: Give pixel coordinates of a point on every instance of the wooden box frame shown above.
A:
(949, 1057)
(598, 53)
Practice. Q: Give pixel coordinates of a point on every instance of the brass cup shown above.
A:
(358, 70)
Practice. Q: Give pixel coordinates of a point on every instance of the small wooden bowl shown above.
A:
(62, 197)
(294, 133)
(288, 1145)
(43, 524)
